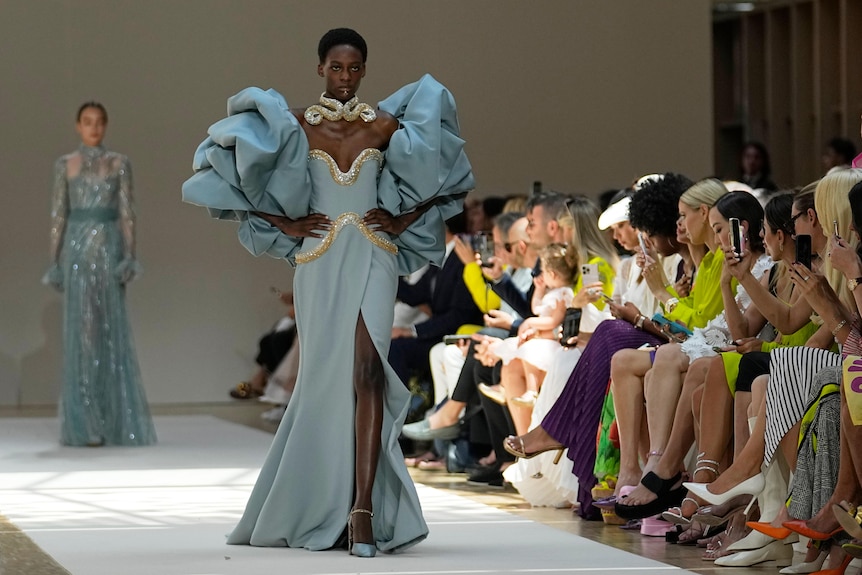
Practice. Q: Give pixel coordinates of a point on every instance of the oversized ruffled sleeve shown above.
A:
(255, 160)
(425, 163)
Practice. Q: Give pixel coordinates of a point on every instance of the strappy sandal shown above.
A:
(849, 517)
(674, 514)
(707, 516)
(522, 452)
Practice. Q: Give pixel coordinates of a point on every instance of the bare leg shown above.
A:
(681, 436)
(368, 384)
(750, 459)
(662, 394)
(628, 390)
(515, 384)
(534, 376)
(716, 410)
(741, 433)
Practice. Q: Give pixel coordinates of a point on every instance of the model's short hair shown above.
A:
(92, 104)
(654, 208)
(340, 37)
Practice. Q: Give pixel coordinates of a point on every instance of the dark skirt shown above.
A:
(574, 418)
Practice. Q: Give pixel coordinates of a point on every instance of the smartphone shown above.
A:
(642, 242)
(590, 273)
(607, 298)
(737, 239)
(571, 325)
(537, 187)
(717, 349)
(673, 326)
(483, 244)
(453, 339)
(803, 250)
(835, 229)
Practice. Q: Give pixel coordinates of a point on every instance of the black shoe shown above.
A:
(491, 476)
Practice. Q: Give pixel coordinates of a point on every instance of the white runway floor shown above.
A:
(166, 509)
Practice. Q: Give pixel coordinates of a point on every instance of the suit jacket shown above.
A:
(521, 302)
(443, 289)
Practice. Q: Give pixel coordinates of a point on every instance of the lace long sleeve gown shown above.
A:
(258, 159)
(93, 253)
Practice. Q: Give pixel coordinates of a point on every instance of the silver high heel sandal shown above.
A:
(359, 549)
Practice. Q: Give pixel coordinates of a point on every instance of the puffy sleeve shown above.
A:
(425, 163)
(255, 160)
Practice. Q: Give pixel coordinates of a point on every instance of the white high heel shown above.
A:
(807, 567)
(776, 551)
(751, 486)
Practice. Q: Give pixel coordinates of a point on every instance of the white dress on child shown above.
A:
(539, 352)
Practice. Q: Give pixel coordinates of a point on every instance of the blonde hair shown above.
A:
(580, 221)
(516, 204)
(832, 205)
(704, 193)
(562, 260)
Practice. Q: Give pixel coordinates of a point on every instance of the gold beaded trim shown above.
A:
(348, 218)
(333, 110)
(348, 178)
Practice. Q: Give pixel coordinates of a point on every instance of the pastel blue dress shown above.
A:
(258, 159)
(93, 252)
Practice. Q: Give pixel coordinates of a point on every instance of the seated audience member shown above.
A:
(658, 378)
(572, 421)
(450, 303)
(272, 348)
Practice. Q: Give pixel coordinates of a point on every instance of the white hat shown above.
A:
(616, 213)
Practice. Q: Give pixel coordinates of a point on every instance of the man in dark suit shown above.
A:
(451, 306)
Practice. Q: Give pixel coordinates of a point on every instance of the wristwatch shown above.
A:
(852, 284)
(639, 322)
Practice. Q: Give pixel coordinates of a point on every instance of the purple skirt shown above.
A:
(574, 418)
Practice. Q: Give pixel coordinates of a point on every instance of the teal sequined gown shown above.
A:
(258, 159)
(93, 252)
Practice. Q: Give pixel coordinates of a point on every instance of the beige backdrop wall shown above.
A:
(581, 94)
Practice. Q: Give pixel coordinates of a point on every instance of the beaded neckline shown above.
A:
(91, 151)
(333, 110)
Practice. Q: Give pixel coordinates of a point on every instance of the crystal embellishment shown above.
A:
(348, 218)
(333, 110)
(347, 178)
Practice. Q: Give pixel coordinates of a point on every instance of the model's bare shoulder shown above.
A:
(386, 123)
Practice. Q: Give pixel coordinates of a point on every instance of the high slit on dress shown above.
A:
(304, 492)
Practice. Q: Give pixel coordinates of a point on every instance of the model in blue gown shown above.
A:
(258, 160)
(93, 253)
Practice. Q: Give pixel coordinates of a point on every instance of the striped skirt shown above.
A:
(791, 373)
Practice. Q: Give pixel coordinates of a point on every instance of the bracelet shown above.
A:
(670, 304)
(639, 321)
(838, 327)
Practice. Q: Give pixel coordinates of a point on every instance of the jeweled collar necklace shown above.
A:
(333, 110)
